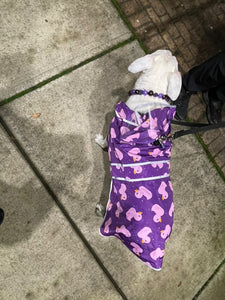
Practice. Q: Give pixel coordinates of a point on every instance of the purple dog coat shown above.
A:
(140, 207)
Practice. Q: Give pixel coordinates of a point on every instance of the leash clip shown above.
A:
(163, 138)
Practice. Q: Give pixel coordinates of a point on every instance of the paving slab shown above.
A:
(61, 143)
(39, 39)
(215, 289)
(41, 257)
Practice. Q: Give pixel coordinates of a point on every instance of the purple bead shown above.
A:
(155, 94)
(167, 98)
(145, 92)
(160, 95)
(131, 92)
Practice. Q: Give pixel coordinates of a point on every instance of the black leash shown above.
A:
(191, 124)
(196, 127)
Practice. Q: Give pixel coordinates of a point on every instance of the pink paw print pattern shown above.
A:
(156, 152)
(120, 167)
(149, 265)
(143, 234)
(162, 190)
(132, 137)
(171, 210)
(122, 192)
(109, 206)
(114, 189)
(107, 224)
(134, 153)
(119, 210)
(142, 191)
(159, 212)
(170, 185)
(159, 165)
(132, 213)
(166, 232)
(158, 253)
(122, 114)
(118, 154)
(152, 134)
(123, 230)
(168, 152)
(153, 122)
(112, 133)
(137, 169)
(124, 130)
(146, 124)
(136, 248)
(166, 125)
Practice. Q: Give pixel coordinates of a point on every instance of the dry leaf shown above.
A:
(36, 115)
(179, 284)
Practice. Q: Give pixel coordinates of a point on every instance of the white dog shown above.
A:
(139, 148)
(159, 74)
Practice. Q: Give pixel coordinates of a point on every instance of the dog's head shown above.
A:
(164, 65)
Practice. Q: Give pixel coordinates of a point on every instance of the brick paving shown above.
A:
(193, 31)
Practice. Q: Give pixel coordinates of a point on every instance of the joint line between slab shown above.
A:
(127, 23)
(60, 206)
(209, 280)
(210, 157)
(65, 72)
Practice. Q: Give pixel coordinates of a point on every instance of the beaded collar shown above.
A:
(149, 93)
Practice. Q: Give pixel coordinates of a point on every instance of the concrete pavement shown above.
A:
(41, 257)
(52, 173)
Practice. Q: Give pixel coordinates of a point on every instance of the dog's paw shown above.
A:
(100, 210)
(99, 139)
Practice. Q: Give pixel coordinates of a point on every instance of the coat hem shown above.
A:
(113, 236)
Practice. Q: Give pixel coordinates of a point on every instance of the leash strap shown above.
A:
(192, 124)
(196, 127)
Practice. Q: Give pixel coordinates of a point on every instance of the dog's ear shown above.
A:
(141, 64)
(145, 62)
(174, 85)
